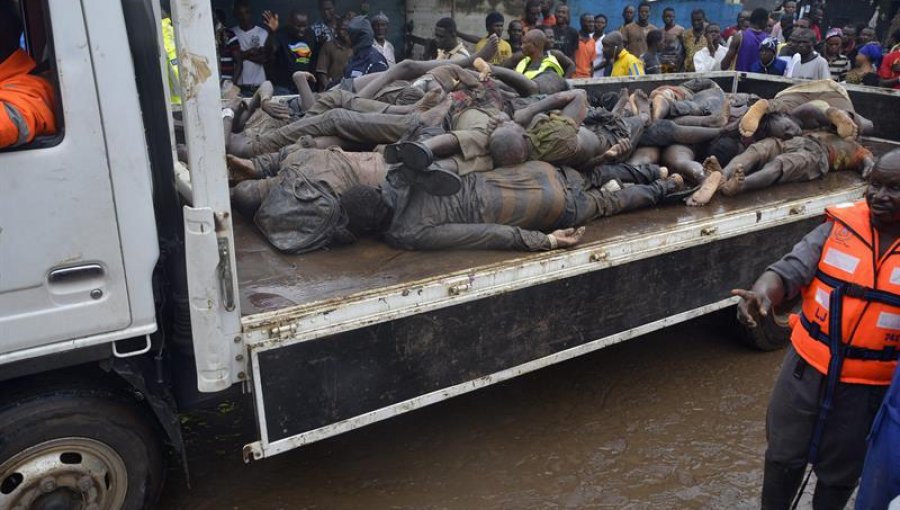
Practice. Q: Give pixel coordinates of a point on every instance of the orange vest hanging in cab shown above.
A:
(866, 292)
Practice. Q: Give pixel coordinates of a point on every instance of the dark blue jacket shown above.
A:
(777, 67)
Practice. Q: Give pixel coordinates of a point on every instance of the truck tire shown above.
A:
(80, 449)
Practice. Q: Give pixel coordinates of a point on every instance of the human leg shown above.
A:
(790, 420)
(643, 155)
(680, 159)
(601, 203)
(625, 173)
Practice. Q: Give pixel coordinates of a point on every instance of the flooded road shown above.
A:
(674, 419)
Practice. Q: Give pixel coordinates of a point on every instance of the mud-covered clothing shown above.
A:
(353, 126)
(824, 91)
(508, 208)
(801, 158)
(338, 169)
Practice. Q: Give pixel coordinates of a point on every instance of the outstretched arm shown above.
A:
(733, 48)
(486, 236)
(573, 104)
(567, 64)
(469, 38)
(757, 303)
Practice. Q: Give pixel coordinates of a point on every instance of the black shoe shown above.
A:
(438, 181)
(412, 154)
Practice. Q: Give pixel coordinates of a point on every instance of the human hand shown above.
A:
(566, 237)
(752, 307)
(310, 77)
(618, 150)
(271, 20)
(276, 109)
(483, 68)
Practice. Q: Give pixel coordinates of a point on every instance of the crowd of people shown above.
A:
(790, 42)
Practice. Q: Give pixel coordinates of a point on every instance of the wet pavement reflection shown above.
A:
(674, 419)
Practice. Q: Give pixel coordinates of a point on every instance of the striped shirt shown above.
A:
(838, 68)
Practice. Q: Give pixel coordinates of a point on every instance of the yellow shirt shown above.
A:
(504, 50)
(627, 65)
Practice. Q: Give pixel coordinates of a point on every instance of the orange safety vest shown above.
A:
(29, 96)
(864, 290)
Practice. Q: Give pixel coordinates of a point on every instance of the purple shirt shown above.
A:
(748, 53)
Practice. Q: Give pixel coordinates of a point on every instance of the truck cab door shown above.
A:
(61, 267)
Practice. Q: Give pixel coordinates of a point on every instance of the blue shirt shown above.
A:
(777, 67)
(368, 60)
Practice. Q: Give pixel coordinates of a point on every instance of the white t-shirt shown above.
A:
(815, 69)
(598, 44)
(251, 73)
(387, 50)
(705, 63)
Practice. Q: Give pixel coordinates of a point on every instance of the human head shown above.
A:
(834, 40)
(550, 36)
(743, 19)
(713, 33)
(298, 22)
(343, 34)
(243, 15)
(849, 37)
(10, 29)
(613, 44)
(326, 10)
(770, 23)
(787, 26)
(643, 13)
(894, 38)
(532, 12)
(803, 23)
(668, 17)
(549, 82)
(803, 39)
(817, 15)
(508, 145)
(587, 23)
(546, 5)
(380, 26)
(781, 126)
(698, 19)
(533, 43)
(445, 34)
(883, 191)
(366, 211)
(790, 7)
(654, 38)
(767, 49)
(600, 23)
(515, 31)
(493, 23)
(628, 14)
(866, 35)
(361, 33)
(759, 18)
(869, 54)
(563, 16)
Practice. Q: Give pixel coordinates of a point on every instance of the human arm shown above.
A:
(26, 111)
(573, 104)
(485, 236)
(469, 38)
(270, 23)
(323, 62)
(733, 48)
(302, 80)
(567, 64)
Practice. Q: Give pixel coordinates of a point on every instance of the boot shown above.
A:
(780, 485)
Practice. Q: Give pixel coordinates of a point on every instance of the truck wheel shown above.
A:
(77, 450)
(772, 333)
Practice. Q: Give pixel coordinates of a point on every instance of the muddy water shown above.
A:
(671, 420)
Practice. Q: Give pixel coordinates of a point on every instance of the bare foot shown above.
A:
(846, 128)
(677, 180)
(735, 184)
(431, 99)
(623, 105)
(663, 172)
(488, 51)
(435, 116)
(750, 121)
(642, 105)
(240, 169)
(661, 104)
(707, 190)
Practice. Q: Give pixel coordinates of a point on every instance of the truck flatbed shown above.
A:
(270, 280)
(345, 337)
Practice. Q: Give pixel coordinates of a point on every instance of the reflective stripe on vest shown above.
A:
(867, 317)
(548, 62)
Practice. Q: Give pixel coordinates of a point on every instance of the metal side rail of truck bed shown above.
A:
(343, 338)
